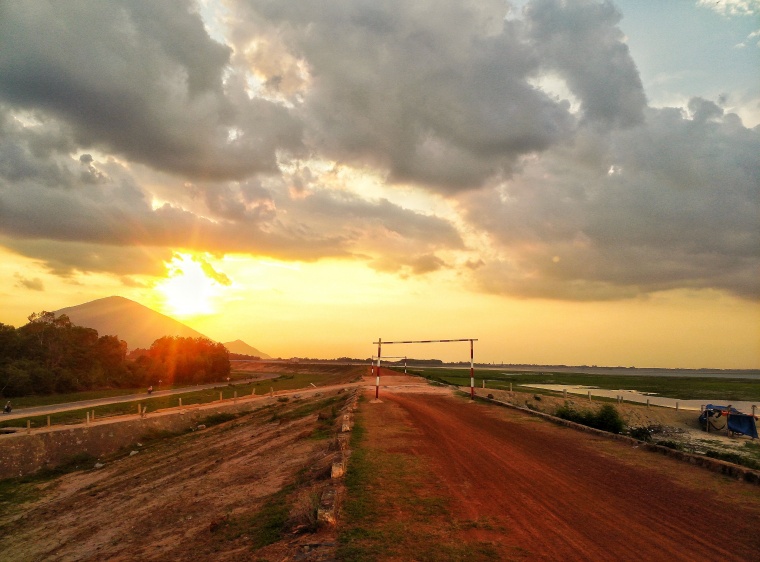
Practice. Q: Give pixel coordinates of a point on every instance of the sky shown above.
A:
(567, 181)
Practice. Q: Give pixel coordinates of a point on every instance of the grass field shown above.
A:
(686, 388)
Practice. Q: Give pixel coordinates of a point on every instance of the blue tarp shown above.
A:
(722, 409)
(742, 423)
(737, 421)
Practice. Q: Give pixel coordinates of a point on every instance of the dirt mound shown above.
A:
(220, 492)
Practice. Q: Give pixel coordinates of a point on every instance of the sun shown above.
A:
(191, 286)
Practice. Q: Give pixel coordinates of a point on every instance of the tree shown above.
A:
(111, 354)
(188, 360)
(51, 354)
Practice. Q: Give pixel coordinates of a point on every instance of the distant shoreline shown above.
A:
(584, 369)
(653, 372)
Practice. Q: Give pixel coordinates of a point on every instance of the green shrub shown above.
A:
(607, 418)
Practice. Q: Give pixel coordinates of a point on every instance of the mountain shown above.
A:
(132, 322)
(239, 346)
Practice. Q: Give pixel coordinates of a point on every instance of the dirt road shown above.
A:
(550, 493)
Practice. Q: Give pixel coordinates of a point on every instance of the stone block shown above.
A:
(326, 510)
(338, 470)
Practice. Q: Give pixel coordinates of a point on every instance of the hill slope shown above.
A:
(239, 346)
(132, 322)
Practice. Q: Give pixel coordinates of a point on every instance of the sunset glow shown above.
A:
(188, 290)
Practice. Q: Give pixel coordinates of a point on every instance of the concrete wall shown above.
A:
(24, 453)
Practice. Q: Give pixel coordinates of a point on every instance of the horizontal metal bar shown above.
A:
(423, 341)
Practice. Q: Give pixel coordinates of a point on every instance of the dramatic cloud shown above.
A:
(65, 259)
(406, 265)
(441, 93)
(49, 196)
(582, 42)
(142, 80)
(212, 273)
(127, 133)
(673, 203)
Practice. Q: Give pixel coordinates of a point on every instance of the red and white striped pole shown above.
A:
(472, 373)
(377, 381)
(472, 360)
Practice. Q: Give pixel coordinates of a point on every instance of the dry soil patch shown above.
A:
(191, 497)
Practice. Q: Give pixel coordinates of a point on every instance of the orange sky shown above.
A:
(335, 309)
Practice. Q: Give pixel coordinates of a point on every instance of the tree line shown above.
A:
(50, 354)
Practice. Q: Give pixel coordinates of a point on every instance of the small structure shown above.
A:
(717, 418)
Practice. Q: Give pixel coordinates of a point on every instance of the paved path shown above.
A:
(23, 413)
(642, 398)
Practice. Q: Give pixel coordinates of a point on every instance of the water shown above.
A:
(753, 374)
(641, 398)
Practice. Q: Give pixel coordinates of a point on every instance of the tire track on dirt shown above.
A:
(558, 498)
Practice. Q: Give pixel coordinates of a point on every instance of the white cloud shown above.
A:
(732, 7)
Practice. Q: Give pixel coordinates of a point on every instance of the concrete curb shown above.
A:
(714, 465)
(327, 513)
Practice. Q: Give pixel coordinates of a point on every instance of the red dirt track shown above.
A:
(557, 494)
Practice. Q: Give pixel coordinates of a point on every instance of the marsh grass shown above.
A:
(686, 388)
(735, 458)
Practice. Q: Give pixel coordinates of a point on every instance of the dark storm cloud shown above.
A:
(67, 258)
(140, 79)
(31, 212)
(674, 203)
